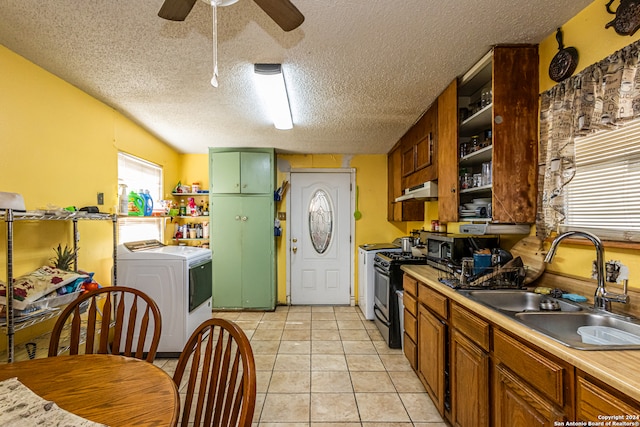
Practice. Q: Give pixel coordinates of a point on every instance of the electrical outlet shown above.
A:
(282, 216)
(101, 198)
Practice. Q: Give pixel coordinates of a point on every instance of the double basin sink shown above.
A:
(575, 325)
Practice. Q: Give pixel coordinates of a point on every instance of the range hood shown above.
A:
(425, 191)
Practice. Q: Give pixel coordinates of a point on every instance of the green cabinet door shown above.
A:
(255, 173)
(226, 229)
(225, 172)
(248, 172)
(243, 251)
(258, 253)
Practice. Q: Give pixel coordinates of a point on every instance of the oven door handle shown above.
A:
(381, 271)
(384, 321)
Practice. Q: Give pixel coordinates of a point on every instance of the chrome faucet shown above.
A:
(601, 299)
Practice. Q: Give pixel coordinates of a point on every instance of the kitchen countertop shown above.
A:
(619, 369)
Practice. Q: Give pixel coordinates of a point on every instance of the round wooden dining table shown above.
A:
(113, 390)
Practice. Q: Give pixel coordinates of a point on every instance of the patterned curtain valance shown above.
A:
(604, 95)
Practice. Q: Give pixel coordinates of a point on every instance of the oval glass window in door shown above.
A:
(320, 221)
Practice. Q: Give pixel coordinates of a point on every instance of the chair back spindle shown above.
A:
(118, 321)
(221, 383)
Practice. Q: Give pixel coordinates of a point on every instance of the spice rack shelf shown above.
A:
(195, 221)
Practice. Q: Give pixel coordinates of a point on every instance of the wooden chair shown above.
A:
(221, 376)
(119, 326)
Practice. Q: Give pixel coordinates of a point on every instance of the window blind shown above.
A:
(604, 195)
(138, 174)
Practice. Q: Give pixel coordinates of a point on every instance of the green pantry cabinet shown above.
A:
(242, 182)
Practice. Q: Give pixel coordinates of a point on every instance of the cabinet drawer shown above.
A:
(436, 302)
(476, 329)
(410, 285)
(410, 303)
(594, 401)
(411, 325)
(411, 351)
(542, 373)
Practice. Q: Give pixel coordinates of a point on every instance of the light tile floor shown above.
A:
(328, 366)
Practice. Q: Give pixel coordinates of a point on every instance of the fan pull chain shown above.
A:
(214, 79)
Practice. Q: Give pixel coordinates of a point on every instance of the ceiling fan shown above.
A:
(283, 12)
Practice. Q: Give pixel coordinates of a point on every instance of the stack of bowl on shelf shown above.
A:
(478, 208)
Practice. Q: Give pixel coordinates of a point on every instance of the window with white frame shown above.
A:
(604, 195)
(138, 174)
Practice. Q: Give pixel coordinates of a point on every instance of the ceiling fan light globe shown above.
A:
(220, 2)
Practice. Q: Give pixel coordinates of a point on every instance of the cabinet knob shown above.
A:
(294, 240)
(244, 218)
(237, 217)
(294, 249)
(453, 190)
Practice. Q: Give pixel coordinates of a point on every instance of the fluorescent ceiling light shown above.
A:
(270, 84)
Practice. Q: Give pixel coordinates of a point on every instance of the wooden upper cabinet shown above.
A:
(510, 125)
(448, 199)
(515, 133)
(419, 146)
(410, 210)
(408, 160)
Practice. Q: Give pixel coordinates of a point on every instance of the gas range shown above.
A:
(386, 260)
(387, 283)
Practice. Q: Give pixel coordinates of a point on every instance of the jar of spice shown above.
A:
(475, 143)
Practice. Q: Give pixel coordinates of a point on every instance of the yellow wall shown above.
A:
(587, 34)
(59, 148)
(193, 168)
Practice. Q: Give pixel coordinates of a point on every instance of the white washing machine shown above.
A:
(178, 278)
(366, 254)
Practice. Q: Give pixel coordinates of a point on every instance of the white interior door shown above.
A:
(320, 238)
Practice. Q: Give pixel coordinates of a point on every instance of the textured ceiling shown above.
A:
(359, 72)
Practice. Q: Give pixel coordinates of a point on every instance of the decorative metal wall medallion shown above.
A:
(627, 20)
(564, 63)
(320, 221)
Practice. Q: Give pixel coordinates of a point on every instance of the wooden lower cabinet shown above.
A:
(432, 342)
(516, 404)
(469, 383)
(410, 300)
(479, 375)
(594, 401)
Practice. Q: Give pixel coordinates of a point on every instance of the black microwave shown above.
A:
(449, 246)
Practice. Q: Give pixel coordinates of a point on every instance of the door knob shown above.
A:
(294, 249)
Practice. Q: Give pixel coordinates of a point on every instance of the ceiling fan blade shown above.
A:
(283, 12)
(176, 10)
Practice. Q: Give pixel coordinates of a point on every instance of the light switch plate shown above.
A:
(101, 198)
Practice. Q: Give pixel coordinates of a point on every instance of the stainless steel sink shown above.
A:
(563, 327)
(519, 301)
